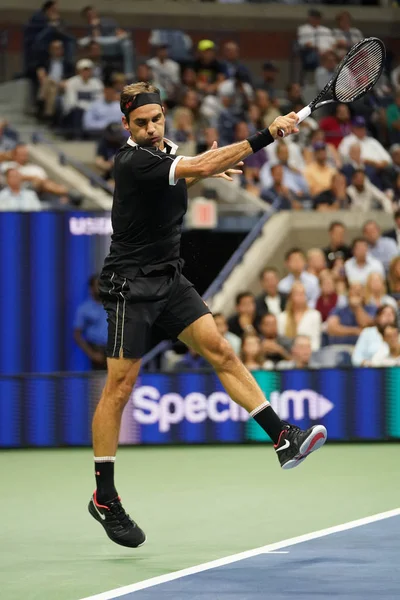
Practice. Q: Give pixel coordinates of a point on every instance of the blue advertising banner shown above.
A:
(193, 408)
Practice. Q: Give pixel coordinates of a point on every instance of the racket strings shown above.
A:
(360, 72)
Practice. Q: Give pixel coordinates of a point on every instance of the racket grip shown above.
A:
(302, 114)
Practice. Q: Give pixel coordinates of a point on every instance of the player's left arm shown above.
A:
(227, 175)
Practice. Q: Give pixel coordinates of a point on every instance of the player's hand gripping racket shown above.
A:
(355, 75)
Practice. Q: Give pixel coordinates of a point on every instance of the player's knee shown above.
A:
(119, 390)
(222, 357)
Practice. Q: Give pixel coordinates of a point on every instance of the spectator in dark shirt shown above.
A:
(345, 324)
(337, 247)
(336, 198)
(231, 62)
(52, 74)
(191, 362)
(245, 320)
(113, 138)
(294, 97)
(270, 72)
(90, 327)
(274, 346)
(210, 71)
(270, 300)
(338, 125)
(278, 195)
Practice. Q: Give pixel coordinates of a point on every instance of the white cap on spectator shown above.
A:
(84, 63)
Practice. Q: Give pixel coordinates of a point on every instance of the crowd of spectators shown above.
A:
(335, 306)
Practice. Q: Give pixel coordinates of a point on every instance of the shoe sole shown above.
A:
(95, 516)
(315, 440)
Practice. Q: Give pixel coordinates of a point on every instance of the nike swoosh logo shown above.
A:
(102, 517)
(285, 445)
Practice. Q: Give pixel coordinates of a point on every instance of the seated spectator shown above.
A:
(278, 195)
(81, 91)
(329, 297)
(252, 164)
(355, 163)
(314, 39)
(306, 129)
(373, 153)
(294, 97)
(396, 193)
(295, 159)
(380, 247)
(111, 140)
(298, 319)
(191, 361)
(210, 71)
(112, 39)
(318, 173)
(183, 130)
(269, 74)
(251, 353)
(393, 120)
(14, 197)
(326, 70)
(316, 261)
(270, 300)
(274, 346)
(394, 278)
(34, 175)
(179, 43)
(240, 91)
(344, 34)
(335, 198)
(394, 234)
(227, 119)
(102, 112)
(8, 141)
(231, 62)
(295, 263)
(371, 340)
(338, 125)
(268, 111)
(317, 136)
(166, 72)
(301, 355)
(344, 324)
(337, 247)
(222, 326)
(52, 75)
(100, 68)
(362, 264)
(293, 179)
(364, 195)
(245, 320)
(90, 327)
(375, 292)
(189, 80)
(388, 355)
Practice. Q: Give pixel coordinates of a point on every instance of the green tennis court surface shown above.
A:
(195, 504)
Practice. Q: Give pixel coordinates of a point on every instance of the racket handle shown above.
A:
(302, 114)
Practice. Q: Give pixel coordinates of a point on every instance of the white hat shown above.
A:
(84, 63)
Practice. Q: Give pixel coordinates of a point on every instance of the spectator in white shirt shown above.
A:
(372, 151)
(103, 112)
(222, 326)
(15, 198)
(389, 354)
(365, 196)
(344, 34)
(375, 292)
(314, 39)
(81, 91)
(166, 72)
(32, 174)
(298, 319)
(371, 340)
(359, 268)
(295, 263)
(270, 300)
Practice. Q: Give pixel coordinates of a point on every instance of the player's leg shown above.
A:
(291, 444)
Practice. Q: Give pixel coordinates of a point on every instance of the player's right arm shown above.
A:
(218, 161)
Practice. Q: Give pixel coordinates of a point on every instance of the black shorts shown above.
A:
(134, 306)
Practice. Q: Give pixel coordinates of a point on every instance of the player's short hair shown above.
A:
(241, 295)
(133, 89)
(336, 224)
(294, 251)
(268, 270)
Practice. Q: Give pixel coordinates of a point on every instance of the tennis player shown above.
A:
(142, 285)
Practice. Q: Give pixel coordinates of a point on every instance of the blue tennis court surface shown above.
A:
(357, 561)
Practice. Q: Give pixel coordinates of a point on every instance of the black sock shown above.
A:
(104, 471)
(267, 418)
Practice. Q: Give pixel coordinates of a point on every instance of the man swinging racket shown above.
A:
(142, 285)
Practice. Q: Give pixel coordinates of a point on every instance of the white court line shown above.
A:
(221, 562)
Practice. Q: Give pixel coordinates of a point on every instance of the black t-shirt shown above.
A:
(147, 213)
(343, 252)
(209, 71)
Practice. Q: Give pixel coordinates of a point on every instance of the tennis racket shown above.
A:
(354, 77)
